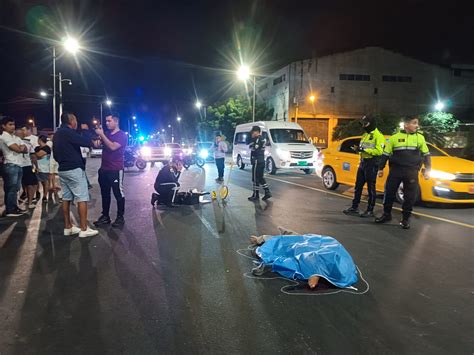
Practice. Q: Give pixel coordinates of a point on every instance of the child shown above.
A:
(43, 155)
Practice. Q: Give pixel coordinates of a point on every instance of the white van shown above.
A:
(288, 146)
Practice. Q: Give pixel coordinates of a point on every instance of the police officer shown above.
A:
(370, 149)
(405, 151)
(257, 158)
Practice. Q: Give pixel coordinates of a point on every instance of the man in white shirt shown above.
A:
(13, 150)
(29, 180)
(32, 140)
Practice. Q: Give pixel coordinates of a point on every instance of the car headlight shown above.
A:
(145, 151)
(204, 153)
(283, 154)
(442, 175)
(167, 151)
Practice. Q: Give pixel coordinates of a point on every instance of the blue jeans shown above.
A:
(12, 175)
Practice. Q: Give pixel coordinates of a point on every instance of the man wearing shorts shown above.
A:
(67, 143)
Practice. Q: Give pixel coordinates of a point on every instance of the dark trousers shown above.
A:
(167, 192)
(409, 178)
(257, 176)
(112, 179)
(220, 167)
(367, 173)
(12, 176)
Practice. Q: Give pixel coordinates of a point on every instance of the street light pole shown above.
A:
(60, 86)
(54, 89)
(254, 95)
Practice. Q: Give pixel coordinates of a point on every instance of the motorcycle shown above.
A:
(131, 158)
(191, 159)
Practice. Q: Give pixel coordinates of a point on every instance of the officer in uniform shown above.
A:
(405, 151)
(257, 157)
(370, 149)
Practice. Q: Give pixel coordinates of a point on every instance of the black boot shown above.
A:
(119, 222)
(386, 217)
(405, 222)
(255, 196)
(368, 214)
(352, 211)
(102, 221)
(154, 198)
(267, 195)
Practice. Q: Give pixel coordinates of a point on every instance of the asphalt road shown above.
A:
(174, 280)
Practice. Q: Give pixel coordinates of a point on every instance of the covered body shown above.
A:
(302, 256)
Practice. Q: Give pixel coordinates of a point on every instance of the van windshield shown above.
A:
(283, 135)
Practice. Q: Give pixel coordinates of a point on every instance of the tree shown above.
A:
(386, 123)
(224, 116)
(433, 125)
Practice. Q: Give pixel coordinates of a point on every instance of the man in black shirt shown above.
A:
(67, 143)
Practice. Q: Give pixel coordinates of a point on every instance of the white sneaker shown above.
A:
(88, 233)
(72, 231)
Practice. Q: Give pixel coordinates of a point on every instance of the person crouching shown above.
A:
(166, 184)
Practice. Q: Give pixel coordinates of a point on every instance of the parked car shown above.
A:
(154, 152)
(288, 147)
(451, 181)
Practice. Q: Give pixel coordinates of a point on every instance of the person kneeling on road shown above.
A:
(405, 151)
(370, 149)
(166, 184)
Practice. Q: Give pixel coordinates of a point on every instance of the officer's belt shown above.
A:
(405, 148)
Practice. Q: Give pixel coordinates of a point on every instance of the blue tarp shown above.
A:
(302, 256)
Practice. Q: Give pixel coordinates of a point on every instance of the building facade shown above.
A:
(320, 93)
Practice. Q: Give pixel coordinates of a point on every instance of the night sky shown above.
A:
(153, 58)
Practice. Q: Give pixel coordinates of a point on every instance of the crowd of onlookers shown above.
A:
(28, 168)
(32, 165)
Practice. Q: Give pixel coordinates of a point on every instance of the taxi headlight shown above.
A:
(167, 151)
(145, 151)
(442, 175)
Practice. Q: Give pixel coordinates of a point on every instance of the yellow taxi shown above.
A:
(451, 179)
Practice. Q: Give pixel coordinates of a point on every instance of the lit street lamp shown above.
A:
(243, 73)
(178, 119)
(43, 93)
(439, 106)
(199, 105)
(312, 98)
(70, 45)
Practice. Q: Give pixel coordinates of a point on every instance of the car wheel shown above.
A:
(400, 195)
(308, 171)
(141, 164)
(329, 178)
(270, 166)
(240, 163)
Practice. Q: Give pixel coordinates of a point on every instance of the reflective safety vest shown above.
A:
(371, 144)
(406, 149)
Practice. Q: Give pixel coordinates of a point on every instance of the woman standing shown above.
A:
(43, 154)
